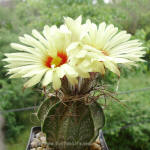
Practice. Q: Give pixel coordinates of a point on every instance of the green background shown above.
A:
(127, 127)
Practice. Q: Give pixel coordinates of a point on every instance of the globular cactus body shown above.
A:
(70, 125)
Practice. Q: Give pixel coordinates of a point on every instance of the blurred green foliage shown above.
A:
(130, 15)
(137, 13)
(128, 127)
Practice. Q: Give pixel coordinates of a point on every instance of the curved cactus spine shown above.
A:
(72, 125)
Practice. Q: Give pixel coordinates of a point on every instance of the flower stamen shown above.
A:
(57, 61)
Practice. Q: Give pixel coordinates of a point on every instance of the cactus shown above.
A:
(70, 125)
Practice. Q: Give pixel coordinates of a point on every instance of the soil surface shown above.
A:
(39, 143)
(1, 133)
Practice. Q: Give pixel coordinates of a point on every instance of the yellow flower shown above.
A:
(83, 59)
(102, 46)
(115, 46)
(42, 57)
(78, 30)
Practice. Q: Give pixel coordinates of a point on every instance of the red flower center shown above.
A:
(57, 61)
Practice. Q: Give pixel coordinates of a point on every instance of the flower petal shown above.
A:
(56, 81)
(34, 80)
(112, 67)
(47, 78)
